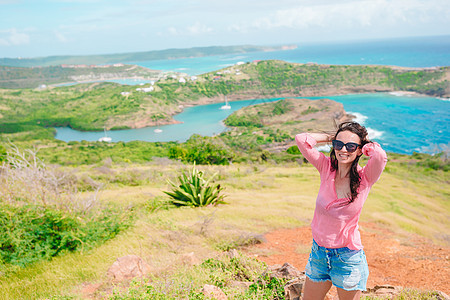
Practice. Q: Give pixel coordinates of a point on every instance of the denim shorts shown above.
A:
(345, 268)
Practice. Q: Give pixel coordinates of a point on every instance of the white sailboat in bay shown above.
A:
(105, 138)
(226, 106)
(157, 130)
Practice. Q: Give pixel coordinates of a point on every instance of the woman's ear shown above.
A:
(359, 151)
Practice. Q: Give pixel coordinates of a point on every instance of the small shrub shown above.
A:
(281, 107)
(293, 150)
(267, 288)
(223, 270)
(178, 152)
(194, 190)
(32, 233)
(202, 150)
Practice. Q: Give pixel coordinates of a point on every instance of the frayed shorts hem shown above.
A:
(351, 289)
(317, 280)
(325, 280)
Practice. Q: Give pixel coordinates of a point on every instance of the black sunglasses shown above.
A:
(351, 147)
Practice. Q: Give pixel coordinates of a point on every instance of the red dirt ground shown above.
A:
(412, 263)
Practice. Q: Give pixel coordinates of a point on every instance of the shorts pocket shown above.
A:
(350, 256)
(315, 255)
(314, 247)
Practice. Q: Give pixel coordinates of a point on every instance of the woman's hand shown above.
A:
(369, 148)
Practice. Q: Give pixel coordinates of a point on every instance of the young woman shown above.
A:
(337, 256)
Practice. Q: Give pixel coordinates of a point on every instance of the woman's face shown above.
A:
(344, 156)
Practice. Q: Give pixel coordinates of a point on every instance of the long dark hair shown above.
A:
(355, 179)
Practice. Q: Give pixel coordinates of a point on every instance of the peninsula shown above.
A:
(94, 106)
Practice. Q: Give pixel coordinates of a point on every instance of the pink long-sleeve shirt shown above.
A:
(335, 223)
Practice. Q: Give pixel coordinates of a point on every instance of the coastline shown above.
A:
(369, 108)
(255, 95)
(69, 83)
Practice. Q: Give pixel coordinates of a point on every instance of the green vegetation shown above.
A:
(408, 294)
(193, 189)
(439, 161)
(202, 150)
(281, 77)
(68, 210)
(258, 193)
(424, 82)
(259, 129)
(19, 77)
(221, 272)
(28, 113)
(87, 153)
(41, 215)
(31, 233)
(82, 107)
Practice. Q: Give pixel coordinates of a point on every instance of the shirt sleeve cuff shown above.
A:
(370, 148)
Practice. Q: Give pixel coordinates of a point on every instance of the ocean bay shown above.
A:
(406, 52)
(401, 123)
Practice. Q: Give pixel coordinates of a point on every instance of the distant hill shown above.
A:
(22, 77)
(135, 56)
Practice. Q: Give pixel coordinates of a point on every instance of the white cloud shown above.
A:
(350, 14)
(61, 37)
(238, 28)
(13, 37)
(195, 29)
(198, 28)
(172, 31)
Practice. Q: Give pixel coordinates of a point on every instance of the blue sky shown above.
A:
(79, 27)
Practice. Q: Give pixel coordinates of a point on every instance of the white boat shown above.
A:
(157, 130)
(226, 106)
(105, 138)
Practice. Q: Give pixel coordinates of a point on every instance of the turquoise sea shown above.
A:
(405, 52)
(401, 123)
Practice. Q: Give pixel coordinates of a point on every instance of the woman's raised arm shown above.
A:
(307, 141)
(377, 161)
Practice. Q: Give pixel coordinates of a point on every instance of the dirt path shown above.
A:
(413, 263)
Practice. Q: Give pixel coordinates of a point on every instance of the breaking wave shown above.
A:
(373, 133)
(361, 119)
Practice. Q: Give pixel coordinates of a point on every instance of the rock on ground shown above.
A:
(128, 267)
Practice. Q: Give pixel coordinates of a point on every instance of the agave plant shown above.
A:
(194, 190)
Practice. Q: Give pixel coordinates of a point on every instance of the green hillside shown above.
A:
(30, 113)
(19, 77)
(69, 210)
